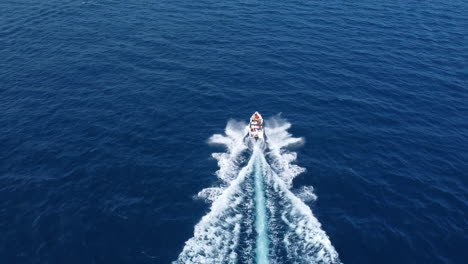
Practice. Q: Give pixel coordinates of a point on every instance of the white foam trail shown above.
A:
(299, 231)
(305, 193)
(233, 140)
(217, 234)
(303, 237)
(286, 229)
(228, 161)
(278, 139)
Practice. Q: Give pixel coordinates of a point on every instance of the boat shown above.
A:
(256, 126)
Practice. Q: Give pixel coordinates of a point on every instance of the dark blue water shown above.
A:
(106, 107)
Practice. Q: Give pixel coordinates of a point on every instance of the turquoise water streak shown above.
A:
(261, 221)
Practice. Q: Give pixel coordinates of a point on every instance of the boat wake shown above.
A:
(254, 216)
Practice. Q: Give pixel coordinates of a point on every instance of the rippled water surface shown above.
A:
(106, 108)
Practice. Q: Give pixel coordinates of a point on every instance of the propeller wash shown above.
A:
(254, 216)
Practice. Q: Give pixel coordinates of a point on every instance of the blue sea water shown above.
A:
(106, 108)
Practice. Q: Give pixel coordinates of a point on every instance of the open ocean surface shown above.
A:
(106, 109)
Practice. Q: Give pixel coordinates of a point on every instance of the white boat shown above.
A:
(256, 126)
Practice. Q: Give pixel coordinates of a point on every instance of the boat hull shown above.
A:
(256, 130)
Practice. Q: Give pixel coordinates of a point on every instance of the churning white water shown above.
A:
(254, 216)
